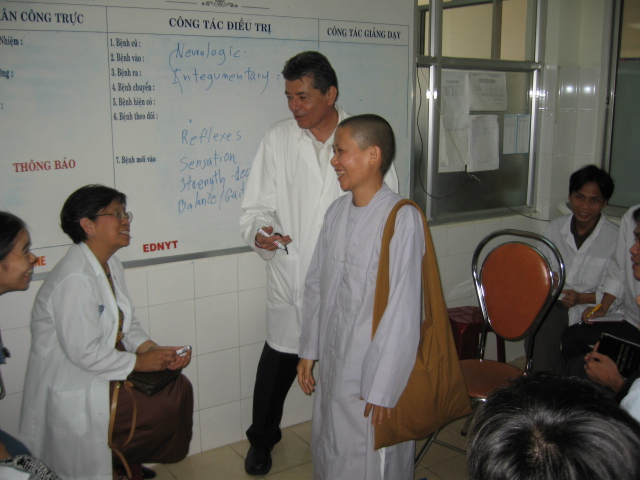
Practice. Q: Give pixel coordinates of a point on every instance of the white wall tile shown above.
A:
(11, 413)
(215, 276)
(246, 409)
(460, 238)
(439, 238)
(173, 323)
(16, 307)
(253, 316)
(458, 282)
(18, 341)
(564, 140)
(588, 93)
(249, 357)
(298, 406)
(251, 271)
(191, 372)
(196, 442)
(568, 80)
(136, 280)
(143, 318)
(170, 283)
(482, 229)
(585, 128)
(217, 322)
(219, 377)
(220, 425)
(549, 99)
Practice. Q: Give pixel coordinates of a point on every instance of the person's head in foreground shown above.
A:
(364, 147)
(16, 259)
(549, 427)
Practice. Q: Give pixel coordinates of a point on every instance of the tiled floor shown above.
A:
(292, 459)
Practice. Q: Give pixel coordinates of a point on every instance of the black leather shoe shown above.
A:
(258, 461)
(147, 473)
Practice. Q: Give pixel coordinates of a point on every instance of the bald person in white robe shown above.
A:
(359, 379)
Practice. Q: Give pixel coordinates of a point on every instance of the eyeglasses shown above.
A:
(119, 215)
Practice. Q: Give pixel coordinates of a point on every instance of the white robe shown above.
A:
(338, 309)
(65, 406)
(585, 268)
(290, 189)
(620, 280)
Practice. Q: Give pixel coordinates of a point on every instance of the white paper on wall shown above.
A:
(483, 145)
(488, 91)
(454, 122)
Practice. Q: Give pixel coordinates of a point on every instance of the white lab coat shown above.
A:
(338, 311)
(74, 322)
(631, 401)
(289, 190)
(585, 268)
(620, 281)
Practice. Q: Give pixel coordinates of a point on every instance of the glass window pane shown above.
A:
(466, 31)
(497, 188)
(630, 30)
(517, 35)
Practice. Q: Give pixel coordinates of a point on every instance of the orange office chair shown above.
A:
(516, 287)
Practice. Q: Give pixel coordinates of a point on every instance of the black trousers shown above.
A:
(577, 341)
(275, 375)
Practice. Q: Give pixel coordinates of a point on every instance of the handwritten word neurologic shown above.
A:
(198, 66)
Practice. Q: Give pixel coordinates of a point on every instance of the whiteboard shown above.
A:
(167, 102)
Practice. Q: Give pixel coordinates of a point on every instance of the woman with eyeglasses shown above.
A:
(85, 337)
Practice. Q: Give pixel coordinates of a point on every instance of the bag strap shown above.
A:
(432, 296)
(112, 421)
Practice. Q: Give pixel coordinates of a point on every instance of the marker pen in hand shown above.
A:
(275, 242)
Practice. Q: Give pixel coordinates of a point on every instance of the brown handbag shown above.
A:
(436, 392)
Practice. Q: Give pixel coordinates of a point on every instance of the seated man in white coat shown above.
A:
(586, 240)
(360, 379)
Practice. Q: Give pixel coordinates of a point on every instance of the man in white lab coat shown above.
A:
(360, 379)
(289, 190)
(586, 240)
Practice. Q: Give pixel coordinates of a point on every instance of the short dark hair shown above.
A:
(86, 202)
(636, 215)
(591, 173)
(549, 427)
(10, 227)
(373, 130)
(313, 65)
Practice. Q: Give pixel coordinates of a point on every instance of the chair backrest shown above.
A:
(516, 285)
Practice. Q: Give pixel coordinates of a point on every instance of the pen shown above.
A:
(275, 242)
(595, 309)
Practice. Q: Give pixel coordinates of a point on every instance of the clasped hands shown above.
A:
(307, 384)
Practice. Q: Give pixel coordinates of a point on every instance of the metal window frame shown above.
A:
(435, 62)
